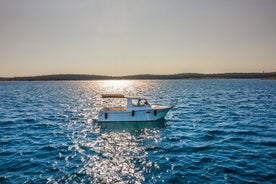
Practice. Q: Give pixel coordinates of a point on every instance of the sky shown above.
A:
(126, 37)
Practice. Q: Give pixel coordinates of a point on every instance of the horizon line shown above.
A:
(141, 74)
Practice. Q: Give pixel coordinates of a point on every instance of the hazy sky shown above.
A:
(121, 37)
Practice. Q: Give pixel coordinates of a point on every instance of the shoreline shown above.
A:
(79, 77)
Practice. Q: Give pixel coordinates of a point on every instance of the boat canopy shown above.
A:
(113, 96)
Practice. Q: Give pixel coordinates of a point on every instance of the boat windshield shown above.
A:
(139, 102)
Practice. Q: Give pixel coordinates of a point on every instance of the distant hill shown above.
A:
(271, 78)
(205, 76)
(3, 79)
(271, 75)
(59, 77)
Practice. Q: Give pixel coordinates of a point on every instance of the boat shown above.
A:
(136, 109)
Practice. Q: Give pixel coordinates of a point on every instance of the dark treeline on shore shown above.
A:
(271, 75)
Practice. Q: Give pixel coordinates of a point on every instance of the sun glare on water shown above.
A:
(116, 86)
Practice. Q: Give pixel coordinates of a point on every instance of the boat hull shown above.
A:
(133, 115)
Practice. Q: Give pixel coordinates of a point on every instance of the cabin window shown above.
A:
(139, 102)
(143, 102)
(135, 102)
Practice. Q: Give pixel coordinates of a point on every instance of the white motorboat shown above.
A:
(136, 109)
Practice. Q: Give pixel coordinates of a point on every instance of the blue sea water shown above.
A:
(220, 131)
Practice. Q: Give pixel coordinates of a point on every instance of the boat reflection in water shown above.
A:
(121, 152)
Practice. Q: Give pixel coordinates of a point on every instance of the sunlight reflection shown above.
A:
(119, 153)
(115, 160)
(116, 85)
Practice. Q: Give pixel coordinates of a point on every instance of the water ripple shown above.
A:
(220, 131)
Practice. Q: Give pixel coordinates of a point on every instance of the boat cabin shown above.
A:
(135, 102)
(132, 102)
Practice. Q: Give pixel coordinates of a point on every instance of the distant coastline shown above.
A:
(58, 77)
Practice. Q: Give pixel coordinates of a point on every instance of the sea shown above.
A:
(219, 131)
